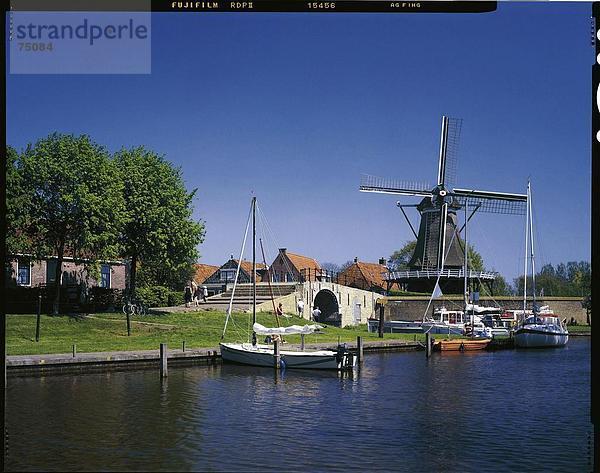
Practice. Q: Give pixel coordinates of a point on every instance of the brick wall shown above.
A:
(73, 273)
(413, 308)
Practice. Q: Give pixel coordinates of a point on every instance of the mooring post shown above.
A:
(427, 344)
(381, 319)
(359, 349)
(163, 360)
(128, 322)
(74, 350)
(37, 321)
(183, 345)
(302, 342)
(276, 355)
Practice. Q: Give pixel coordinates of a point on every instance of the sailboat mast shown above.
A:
(530, 210)
(466, 291)
(526, 255)
(253, 269)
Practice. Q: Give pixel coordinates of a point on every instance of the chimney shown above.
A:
(382, 261)
(356, 259)
(231, 256)
(282, 250)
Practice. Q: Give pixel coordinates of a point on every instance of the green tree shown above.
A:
(570, 279)
(159, 234)
(16, 204)
(66, 198)
(400, 258)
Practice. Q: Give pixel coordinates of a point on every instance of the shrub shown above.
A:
(159, 296)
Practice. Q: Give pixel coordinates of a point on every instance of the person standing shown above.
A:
(187, 294)
(300, 307)
(204, 293)
(197, 296)
(316, 313)
(279, 310)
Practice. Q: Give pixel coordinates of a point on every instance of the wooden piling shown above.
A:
(163, 360)
(428, 344)
(302, 342)
(39, 315)
(359, 349)
(381, 319)
(183, 345)
(276, 354)
(74, 350)
(128, 322)
(349, 360)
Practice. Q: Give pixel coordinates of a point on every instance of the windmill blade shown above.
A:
(443, 148)
(452, 142)
(492, 202)
(393, 186)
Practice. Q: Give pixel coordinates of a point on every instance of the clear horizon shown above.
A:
(295, 107)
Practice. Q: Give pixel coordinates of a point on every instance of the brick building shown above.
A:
(366, 276)
(290, 267)
(26, 271)
(225, 274)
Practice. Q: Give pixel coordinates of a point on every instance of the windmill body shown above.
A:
(439, 251)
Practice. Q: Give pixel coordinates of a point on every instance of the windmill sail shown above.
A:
(438, 245)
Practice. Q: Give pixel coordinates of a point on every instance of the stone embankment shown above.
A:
(36, 365)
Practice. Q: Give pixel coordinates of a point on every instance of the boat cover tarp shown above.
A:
(291, 330)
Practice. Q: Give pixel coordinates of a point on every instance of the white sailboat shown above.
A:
(252, 353)
(543, 328)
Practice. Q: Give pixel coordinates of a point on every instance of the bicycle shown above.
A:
(134, 308)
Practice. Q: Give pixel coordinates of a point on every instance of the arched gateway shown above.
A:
(327, 303)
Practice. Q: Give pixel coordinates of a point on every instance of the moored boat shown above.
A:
(543, 329)
(264, 355)
(461, 344)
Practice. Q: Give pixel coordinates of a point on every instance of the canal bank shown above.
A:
(61, 363)
(38, 365)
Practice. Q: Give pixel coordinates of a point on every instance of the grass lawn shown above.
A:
(108, 332)
(579, 328)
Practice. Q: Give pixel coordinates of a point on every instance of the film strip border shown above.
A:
(264, 6)
(595, 202)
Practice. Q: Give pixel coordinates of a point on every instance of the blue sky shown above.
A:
(295, 107)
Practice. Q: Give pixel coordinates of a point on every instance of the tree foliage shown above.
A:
(64, 197)
(331, 267)
(400, 258)
(566, 279)
(159, 232)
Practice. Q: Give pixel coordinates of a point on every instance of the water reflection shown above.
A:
(467, 412)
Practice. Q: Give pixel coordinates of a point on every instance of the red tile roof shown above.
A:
(302, 262)
(203, 272)
(247, 265)
(372, 272)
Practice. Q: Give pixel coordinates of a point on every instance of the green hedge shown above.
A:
(159, 296)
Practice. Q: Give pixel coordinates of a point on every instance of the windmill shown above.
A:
(439, 251)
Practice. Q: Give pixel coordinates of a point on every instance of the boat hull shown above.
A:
(461, 345)
(263, 355)
(535, 338)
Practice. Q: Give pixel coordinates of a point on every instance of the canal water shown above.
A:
(512, 410)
